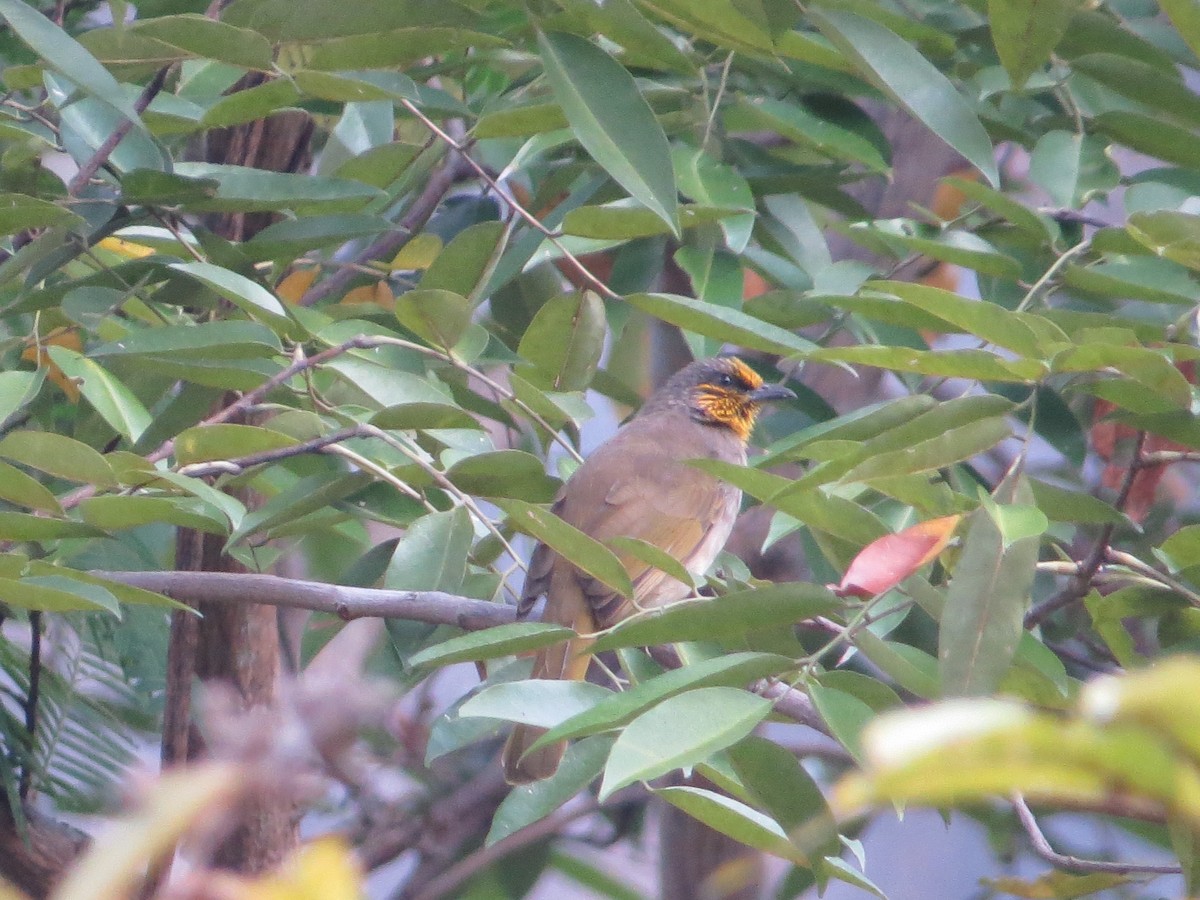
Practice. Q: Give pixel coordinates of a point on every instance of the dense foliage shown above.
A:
(360, 369)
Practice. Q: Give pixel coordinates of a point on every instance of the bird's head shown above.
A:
(722, 391)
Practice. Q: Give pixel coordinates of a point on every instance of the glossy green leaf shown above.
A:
(225, 441)
(1150, 135)
(720, 323)
(541, 703)
(467, 262)
(19, 212)
(1026, 32)
(246, 106)
(728, 670)
(680, 732)
(988, 321)
(564, 341)
(249, 296)
(1144, 83)
(612, 120)
(393, 47)
(208, 38)
(432, 554)
(24, 490)
(845, 714)
(1186, 19)
(202, 341)
(503, 640)
(243, 189)
(115, 402)
(733, 818)
(58, 455)
(16, 526)
(61, 52)
(985, 606)
(979, 365)
(530, 803)
(901, 72)
(504, 473)
(854, 139)
(439, 317)
(725, 619)
(56, 593)
(115, 513)
(1170, 234)
(1072, 168)
(712, 183)
(588, 554)
(17, 389)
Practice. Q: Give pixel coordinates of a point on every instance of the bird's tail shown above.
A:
(567, 661)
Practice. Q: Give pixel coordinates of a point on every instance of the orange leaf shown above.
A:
(36, 353)
(295, 285)
(884, 563)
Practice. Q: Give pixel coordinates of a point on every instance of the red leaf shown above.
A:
(884, 563)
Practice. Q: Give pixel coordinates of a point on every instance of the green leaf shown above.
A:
(1072, 167)
(729, 670)
(19, 212)
(1170, 234)
(612, 120)
(504, 473)
(845, 714)
(202, 341)
(978, 365)
(115, 403)
(529, 803)
(24, 490)
(712, 183)
(733, 818)
(244, 189)
(1163, 92)
(773, 774)
(564, 342)
(1151, 135)
(246, 106)
(988, 321)
(985, 606)
(114, 513)
(432, 555)
(680, 732)
(727, 619)
(541, 703)
(225, 441)
(249, 296)
(59, 455)
(17, 389)
(209, 38)
(1026, 32)
(65, 55)
(56, 593)
(588, 554)
(895, 66)
(503, 640)
(436, 316)
(952, 446)
(393, 47)
(854, 138)
(16, 526)
(1185, 16)
(720, 323)
(467, 262)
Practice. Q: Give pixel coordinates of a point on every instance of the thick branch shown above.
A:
(434, 607)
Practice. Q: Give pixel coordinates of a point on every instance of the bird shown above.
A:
(638, 484)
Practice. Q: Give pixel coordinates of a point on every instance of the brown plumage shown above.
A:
(637, 484)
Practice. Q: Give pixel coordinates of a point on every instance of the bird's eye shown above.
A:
(725, 380)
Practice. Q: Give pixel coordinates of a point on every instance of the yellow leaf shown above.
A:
(322, 870)
(296, 285)
(127, 249)
(378, 293)
(419, 253)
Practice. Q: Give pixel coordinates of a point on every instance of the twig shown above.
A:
(1041, 846)
(105, 150)
(433, 607)
(511, 202)
(31, 701)
(389, 244)
(241, 463)
(1088, 568)
(1050, 273)
(476, 862)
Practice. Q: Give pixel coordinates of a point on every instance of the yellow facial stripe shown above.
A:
(744, 373)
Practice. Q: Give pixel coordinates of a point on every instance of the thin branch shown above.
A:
(1088, 568)
(511, 202)
(1041, 846)
(105, 150)
(388, 245)
(241, 463)
(31, 701)
(1038, 286)
(433, 607)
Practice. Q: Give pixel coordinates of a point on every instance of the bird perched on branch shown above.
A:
(638, 484)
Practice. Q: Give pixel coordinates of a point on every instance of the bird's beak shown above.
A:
(771, 392)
